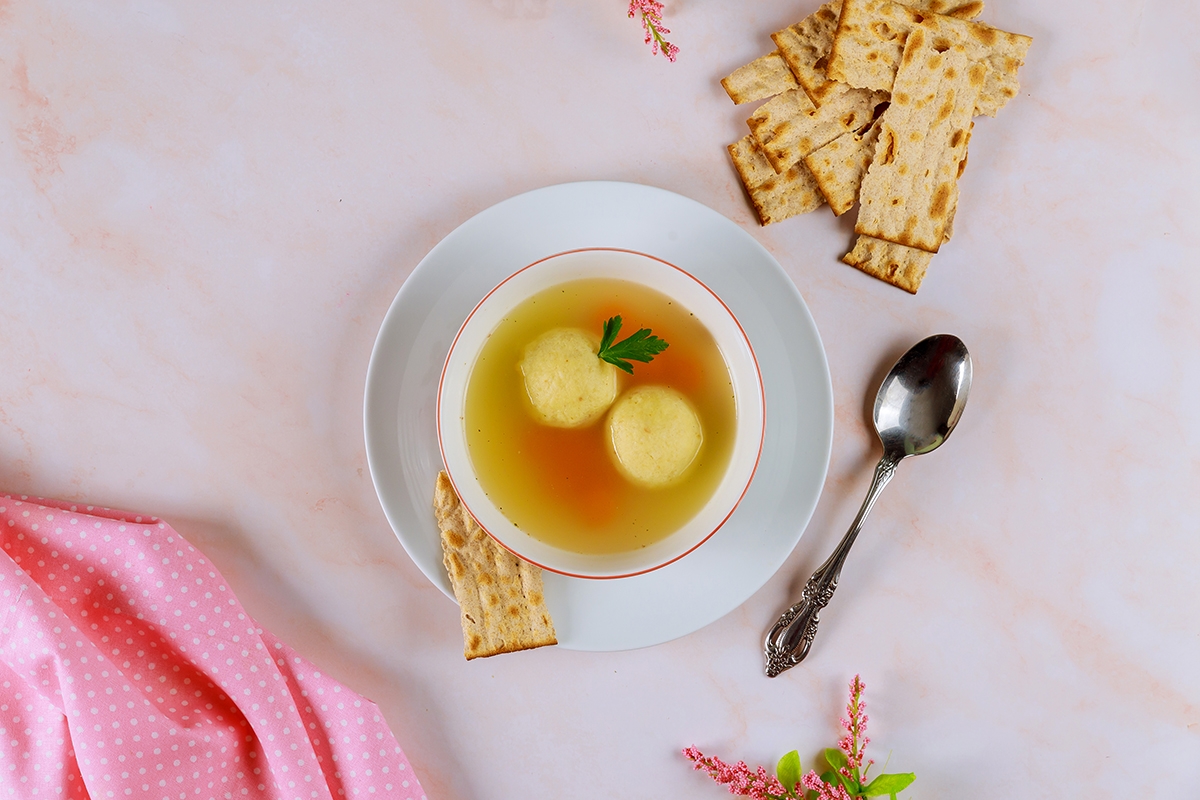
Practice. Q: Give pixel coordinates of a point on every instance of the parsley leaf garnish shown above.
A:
(641, 346)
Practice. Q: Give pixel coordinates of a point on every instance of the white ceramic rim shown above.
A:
(648, 270)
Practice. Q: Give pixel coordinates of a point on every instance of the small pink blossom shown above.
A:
(652, 24)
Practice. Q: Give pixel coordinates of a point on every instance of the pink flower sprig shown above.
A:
(652, 24)
(854, 743)
(845, 780)
(759, 785)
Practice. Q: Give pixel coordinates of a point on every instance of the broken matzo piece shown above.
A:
(763, 77)
(898, 265)
(791, 126)
(500, 596)
(775, 197)
(838, 167)
(805, 45)
(911, 188)
(870, 38)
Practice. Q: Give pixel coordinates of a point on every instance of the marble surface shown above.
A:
(206, 209)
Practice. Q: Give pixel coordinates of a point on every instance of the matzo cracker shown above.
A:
(900, 266)
(500, 596)
(775, 197)
(763, 77)
(909, 192)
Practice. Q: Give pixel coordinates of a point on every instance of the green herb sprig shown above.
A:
(641, 346)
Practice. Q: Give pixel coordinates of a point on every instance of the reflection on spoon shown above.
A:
(916, 408)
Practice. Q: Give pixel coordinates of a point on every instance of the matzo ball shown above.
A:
(655, 435)
(567, 383)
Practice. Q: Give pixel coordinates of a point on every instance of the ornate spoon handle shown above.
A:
(789, 640)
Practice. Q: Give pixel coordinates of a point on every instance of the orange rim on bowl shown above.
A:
(668, 279)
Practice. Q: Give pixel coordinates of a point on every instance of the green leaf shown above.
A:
(890, 784)
(788, 770)
(611, 328)
(836, 758)
(640, 346)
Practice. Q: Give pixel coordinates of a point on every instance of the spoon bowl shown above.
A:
(923, 396)
(916, 409)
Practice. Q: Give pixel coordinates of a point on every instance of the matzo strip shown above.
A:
(500, 596)
(900, 266)
(805, 45)
(838, 167)
(870, 38)
(763, 77)
(791, 126)
(911, 188)
(775, 197)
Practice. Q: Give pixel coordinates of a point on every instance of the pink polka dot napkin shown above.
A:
(129, 669)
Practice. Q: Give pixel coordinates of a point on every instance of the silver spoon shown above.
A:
(917, 407)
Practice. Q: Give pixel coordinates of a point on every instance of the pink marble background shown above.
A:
(205, 210)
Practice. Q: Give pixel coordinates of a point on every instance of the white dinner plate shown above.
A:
(402, 381)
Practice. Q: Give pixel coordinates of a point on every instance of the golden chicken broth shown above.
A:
(560, 485)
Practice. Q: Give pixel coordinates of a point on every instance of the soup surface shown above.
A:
(560, 485)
